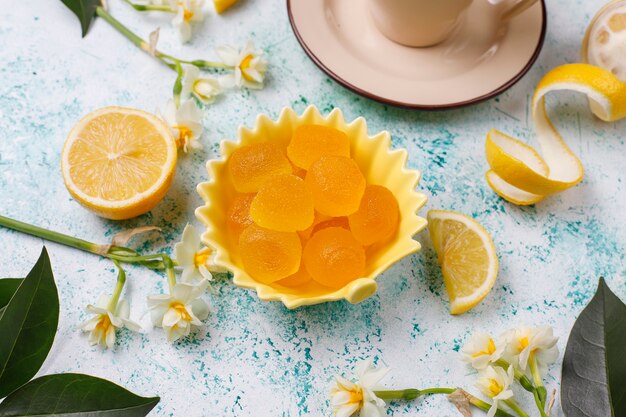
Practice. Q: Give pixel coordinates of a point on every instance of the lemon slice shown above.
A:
(119, 162)
(517, 172)
(604, 44)
(223, 5)
(467, 256)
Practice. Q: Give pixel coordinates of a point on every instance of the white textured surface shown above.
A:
(255, 358)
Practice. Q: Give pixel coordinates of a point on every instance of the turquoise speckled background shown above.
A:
(256, 358)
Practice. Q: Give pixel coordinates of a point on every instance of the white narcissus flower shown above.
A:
(193, 256)
(347, 398)
(481, 350)
(204, 89)
(179, 311)
(103, 324)
(538, 341)
(248, 64)
(185, 123)
(495, 383)
(187, 11)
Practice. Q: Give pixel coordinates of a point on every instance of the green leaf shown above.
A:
(8, 286)
(75, 395)
(594, 366)
(85, 10)
(28, 326)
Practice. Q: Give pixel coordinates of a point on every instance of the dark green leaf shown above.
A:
(85, 10)
(8, 286)
(28, 326)
(75, 395)
(594, 366)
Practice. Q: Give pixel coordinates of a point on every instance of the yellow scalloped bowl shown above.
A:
(379, 164)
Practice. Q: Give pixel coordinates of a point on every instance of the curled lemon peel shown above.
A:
(518, 173)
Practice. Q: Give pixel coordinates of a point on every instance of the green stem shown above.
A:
(485, 406)
(169, 269)
(119, 286)
(515, 407)
(178, 84)
(49, 235)
(201, 63)
(542, 394)
(149, 7)
(519, 375)
(169, 60)
(540, 406)
(411, 393)
(135, 39)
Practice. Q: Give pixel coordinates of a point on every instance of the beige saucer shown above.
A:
(480, 60)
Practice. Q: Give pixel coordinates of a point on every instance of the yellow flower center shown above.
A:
(491, 348)
(494, 387)
(245, 64)
(180, 309)
(184, 135)
(104, 323)
(202, 257)
(523, 343)
(356, 396)
(187, 15)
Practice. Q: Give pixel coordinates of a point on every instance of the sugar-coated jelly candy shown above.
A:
(250, 166)
(333, 257)
(337, 185)
(377, 217)
(268, 255)
(299, 278)
(283, 203)
(310, 142)
(238, 215)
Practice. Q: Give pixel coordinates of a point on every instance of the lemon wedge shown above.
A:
(223, 5)
(119, 162)
(604, 44)
(517, 172)
(467, 256)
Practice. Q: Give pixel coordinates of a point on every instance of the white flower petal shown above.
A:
(123, 309)
(347, 410)
(190, 274)
(200, 308)
(110, 337)
(171, 317)
(228, 55)
(103, 301)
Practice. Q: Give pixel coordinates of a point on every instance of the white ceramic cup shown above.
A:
(423, 23)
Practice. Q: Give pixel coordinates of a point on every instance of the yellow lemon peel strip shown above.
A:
(517, 172)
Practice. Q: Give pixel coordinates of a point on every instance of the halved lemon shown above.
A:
(467, 256)
(119, 162)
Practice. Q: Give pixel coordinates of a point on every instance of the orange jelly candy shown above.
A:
(268, 255)
(337, 185)
(250, 166)
(283, 203)
(332, 222)
(310, 142)
(333, 257)
(238, 215)
(317, 219)
(299, 278)
(377, 217)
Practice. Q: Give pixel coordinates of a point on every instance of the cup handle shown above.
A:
(516, 7)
